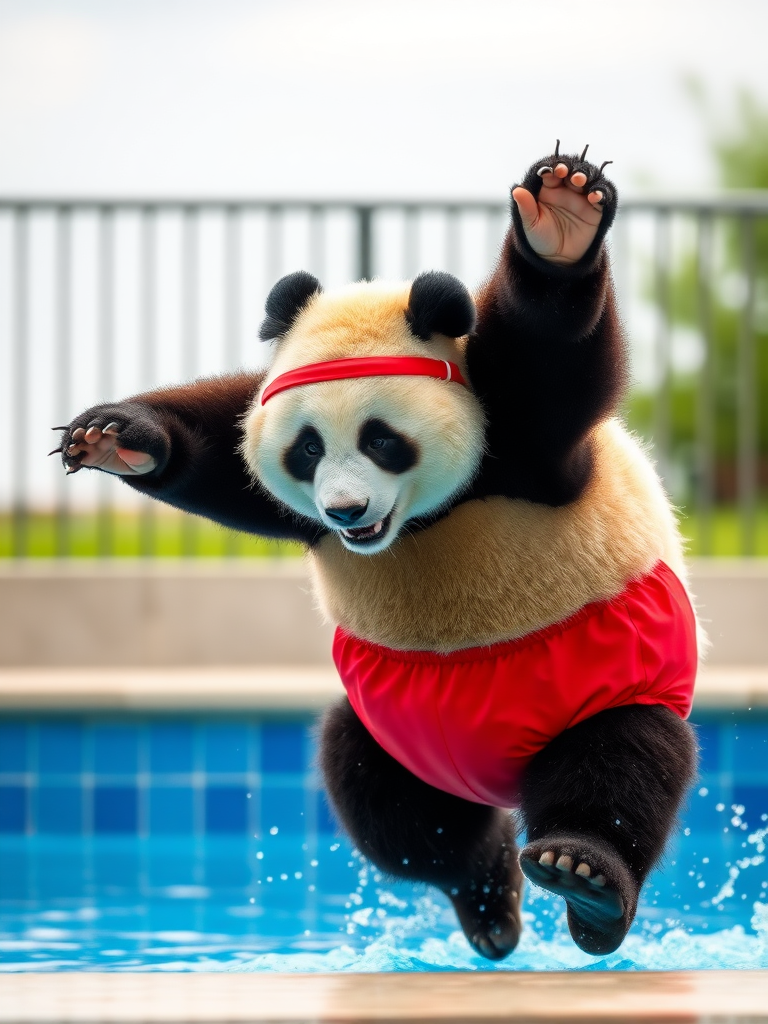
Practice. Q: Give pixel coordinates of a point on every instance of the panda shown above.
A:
(504, 569)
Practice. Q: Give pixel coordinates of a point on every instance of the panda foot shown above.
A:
(596, 884)
(489, 914)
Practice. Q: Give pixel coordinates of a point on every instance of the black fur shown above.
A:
(194, 431)
(286, 300)
(388, 448)
(303, 455)
(411, 830)
(439, 304)
(547, 360)
(608, 791)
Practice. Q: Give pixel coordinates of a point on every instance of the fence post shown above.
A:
(364, 243)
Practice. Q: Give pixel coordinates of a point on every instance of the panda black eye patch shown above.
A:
(386, 447)
(302, 456)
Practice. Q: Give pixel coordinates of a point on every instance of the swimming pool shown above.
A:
(188, 842)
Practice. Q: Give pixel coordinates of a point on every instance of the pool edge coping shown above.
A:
(266, 688)
(449, 996)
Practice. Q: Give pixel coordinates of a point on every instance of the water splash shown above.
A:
(389, 933)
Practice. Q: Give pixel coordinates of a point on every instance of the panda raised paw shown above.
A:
(108, 440)
(565, 205)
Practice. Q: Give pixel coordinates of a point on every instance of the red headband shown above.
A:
(364, 366)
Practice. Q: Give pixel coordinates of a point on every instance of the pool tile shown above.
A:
(171, 870)
(115, 749)
(326, 821)
(62, 871)
(750, 746)
(283, 747)
(171, 747)
(226, 747)
(226, 809)
(14, 743)
(59, 810)
(708, 735)
(60, 748)
(283, 808)
(754, 800)
(115, 809)
(13, 809)
(171, 810)
(116, 868)
(14, 874)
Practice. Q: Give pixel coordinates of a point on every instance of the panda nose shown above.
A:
(348, 515)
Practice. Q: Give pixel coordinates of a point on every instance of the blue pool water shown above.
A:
(187, 843)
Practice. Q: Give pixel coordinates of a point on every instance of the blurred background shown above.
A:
(164, 163)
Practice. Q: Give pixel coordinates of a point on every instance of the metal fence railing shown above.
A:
(106, 297)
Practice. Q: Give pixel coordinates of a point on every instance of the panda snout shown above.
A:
(347, 515)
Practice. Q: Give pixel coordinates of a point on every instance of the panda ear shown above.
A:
(439, 304)
(284, 303)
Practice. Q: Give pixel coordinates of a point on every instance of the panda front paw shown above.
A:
(564, 206)
(116, 439)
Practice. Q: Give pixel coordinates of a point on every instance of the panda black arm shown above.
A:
(192, 433)
(547, 358)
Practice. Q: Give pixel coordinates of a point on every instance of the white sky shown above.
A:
(360, 97)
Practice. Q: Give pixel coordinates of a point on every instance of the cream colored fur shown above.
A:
(497, 569)
(491, 570)
(442, 419)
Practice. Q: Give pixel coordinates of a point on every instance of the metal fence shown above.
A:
(100, 298)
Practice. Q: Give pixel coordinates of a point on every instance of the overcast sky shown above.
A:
(361, 97)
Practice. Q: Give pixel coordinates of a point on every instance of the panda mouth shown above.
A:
(368, 534)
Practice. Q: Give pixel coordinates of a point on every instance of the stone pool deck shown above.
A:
(662, 998)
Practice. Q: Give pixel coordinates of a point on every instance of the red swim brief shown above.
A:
(469, 722)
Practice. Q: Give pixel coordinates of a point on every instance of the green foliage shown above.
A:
(127, 535)
(724, 305)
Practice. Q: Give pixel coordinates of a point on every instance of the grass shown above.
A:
(128, 535)
(173, 535)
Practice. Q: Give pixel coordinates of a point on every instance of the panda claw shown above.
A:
(56, 451)
(544, 170)
(59, 428)
(111, 428)
(584, 152)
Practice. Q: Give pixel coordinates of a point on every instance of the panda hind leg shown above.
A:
(599, 803)
(411, 830)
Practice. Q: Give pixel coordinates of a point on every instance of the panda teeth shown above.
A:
(356, 533)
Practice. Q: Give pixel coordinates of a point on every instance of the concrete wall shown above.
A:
(134, 614)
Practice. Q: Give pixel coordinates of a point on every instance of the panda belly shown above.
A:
(469, 722)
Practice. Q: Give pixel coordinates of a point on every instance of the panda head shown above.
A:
(364, 455)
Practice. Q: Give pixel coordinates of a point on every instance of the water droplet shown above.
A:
(260, 855)
(274, 830)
